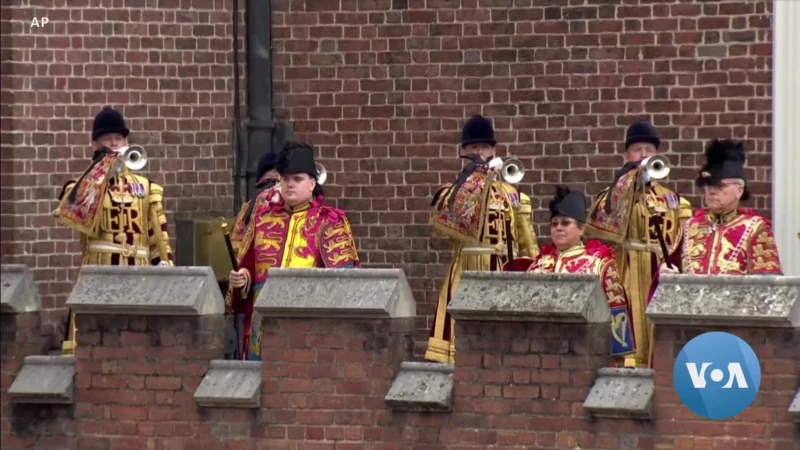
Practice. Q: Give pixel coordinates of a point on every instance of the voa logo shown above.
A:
(717, 375)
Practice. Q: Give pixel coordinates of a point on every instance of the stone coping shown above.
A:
(529, 297)
(339, 293)
(18, 292)
(147, 290)
(726, 300)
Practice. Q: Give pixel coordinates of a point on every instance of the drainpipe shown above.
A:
(260, 122)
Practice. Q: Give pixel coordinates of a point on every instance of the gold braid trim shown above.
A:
(158, 220)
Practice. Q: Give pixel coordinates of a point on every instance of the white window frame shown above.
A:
(786, 132)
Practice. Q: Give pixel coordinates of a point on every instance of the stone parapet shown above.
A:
(559, 300)
(146, 290)
(726, 300)
(341, 293)
(528, 297)
(18, 292)
(347, 379)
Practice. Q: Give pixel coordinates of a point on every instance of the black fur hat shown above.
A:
(266, 163)
(725, 159)
(642, 131)
(478, 129)
(296, 157)
(109, 120)
(568, 203)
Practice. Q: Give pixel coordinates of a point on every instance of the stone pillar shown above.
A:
(786, 132)
(764, 311)
(529, 345)
(145, 338)
(20, 309)
(332, 341)
(27, 375)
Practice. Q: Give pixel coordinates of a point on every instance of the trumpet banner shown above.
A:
(83, 214)
(611, 223)
(460, 211)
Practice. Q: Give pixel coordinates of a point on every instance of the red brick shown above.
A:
(381, 88)
(130, 413)
(162, 383)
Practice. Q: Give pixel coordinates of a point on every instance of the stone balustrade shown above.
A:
(338, 370)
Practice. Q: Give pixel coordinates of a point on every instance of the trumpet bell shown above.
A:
(134, 157)
(656, 167)
(322, 174)
(512, 171)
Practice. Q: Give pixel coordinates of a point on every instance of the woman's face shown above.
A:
(565, 232)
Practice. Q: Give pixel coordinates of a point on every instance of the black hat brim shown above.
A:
(124, 131)
(491, 142)
(642, 138)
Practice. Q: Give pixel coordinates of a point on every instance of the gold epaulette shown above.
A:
(156, 191)
(685, 208)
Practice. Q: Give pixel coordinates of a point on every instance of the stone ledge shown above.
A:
(726, 300)
(18, 292)
(621, 394)
(794, 408)
(422, 387)
(529, 297)
(44, 380)
(230, 384)
(147, 290)
(339, 293)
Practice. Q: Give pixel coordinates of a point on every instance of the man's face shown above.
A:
(112, 141)
(297, 188)
(484, 150)
(639, 151)
(565, 232)
(723, 196)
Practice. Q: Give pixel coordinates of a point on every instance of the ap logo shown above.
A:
(717, 375)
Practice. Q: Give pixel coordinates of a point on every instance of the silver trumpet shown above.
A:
(322, 174)
(134, 157)
(655, 167)
(510, 170)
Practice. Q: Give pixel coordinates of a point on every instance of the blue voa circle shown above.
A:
(717, 375)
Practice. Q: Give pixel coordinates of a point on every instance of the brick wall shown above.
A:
(381, 88)
(517, 385)
(167, 68)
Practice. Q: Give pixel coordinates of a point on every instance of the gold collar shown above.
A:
(298, 208)
(572, 251)
(723, 218)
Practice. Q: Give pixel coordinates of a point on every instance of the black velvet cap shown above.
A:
(568, 203)
(478, 129)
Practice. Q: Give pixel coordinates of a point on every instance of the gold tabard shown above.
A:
(636, 242)
(130, 230)
(504, 202)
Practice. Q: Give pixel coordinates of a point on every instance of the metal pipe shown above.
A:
(236, 138)
(259, 86)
